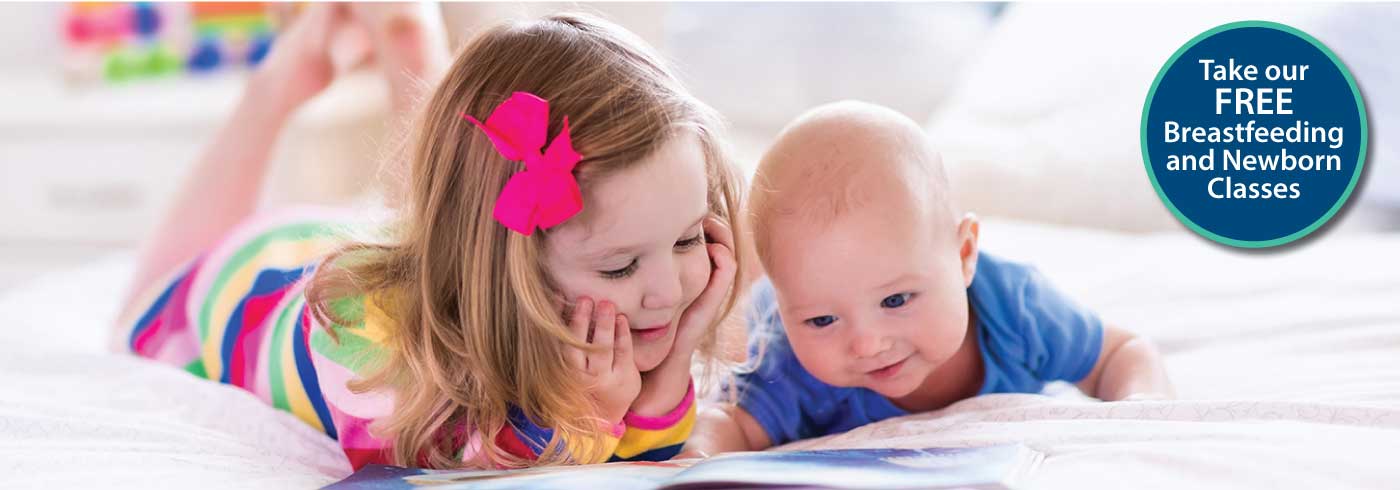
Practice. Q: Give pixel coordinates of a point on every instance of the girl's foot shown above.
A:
(409, 46)
(302, 63)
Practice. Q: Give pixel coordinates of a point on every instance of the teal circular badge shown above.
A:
(1254, 134)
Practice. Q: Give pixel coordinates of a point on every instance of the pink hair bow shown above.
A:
(545, 193)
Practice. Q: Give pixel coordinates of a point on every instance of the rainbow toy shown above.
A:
(124, 41)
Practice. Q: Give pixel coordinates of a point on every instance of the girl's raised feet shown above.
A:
(302, 62)
(409, 45)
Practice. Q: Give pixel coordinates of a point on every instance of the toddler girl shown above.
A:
(563, 249)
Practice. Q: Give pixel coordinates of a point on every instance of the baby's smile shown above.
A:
(889, 371)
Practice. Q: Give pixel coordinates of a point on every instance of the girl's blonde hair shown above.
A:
(476, 326)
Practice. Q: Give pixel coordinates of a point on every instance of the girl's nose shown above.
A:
(663, 288)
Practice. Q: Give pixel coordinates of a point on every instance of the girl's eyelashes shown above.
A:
(631, 267)
(821, 321)
(691, 242)
(620, 273)
(896, 300)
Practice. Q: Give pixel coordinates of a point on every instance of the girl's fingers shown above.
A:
(717, 231)
(580, 318)
(604, 328)
(578, 326)
(722, 260)
(622, 351)
(703, 310)
(722, 257)
(721, 277)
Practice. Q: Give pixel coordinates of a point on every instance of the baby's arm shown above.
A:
(725, 428)
(1128, 366)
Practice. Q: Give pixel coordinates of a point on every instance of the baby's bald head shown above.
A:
(845, 160)
(858, 236)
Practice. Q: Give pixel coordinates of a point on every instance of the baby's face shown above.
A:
(639, 244)
(875, 299)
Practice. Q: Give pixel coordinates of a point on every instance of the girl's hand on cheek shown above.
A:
(609, 373)
(663, 388)
(719, 245)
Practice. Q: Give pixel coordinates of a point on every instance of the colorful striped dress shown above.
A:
(238, 315)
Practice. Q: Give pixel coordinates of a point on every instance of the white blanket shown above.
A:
(1287, 365)
(72, 415)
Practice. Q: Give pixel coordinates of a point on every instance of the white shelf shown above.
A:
(42, 100)
(20, 263)
(98, 165)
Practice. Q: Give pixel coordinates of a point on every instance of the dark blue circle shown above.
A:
(206, 56)
(1323, 98)
(146, 19)
(262, 44)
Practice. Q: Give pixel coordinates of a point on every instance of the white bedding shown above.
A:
(1287, 364)
(72, 415)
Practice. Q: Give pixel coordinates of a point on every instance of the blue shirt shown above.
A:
(1028, 334)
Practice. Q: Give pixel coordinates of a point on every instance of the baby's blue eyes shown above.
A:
(891, 302)
(894, 300)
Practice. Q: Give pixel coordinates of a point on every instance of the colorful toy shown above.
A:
(124, 41)
(230, 32)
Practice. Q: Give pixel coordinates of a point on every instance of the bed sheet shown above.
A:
(1287, 365)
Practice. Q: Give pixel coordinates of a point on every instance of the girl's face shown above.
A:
(639, 244)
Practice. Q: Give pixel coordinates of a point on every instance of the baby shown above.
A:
(878, 302)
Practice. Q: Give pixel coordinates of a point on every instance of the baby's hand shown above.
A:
(1145, 397)
(610, 373)
(690, 453)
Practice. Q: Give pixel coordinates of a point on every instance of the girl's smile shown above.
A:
(639, 244)
(652, 333)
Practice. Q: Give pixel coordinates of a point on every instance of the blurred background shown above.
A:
(104, 107)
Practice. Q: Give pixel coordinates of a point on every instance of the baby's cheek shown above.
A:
(938, 332)
(816, 357)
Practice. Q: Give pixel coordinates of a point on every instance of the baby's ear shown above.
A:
(967, 247)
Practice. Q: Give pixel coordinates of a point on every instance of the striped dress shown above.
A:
(238, 315)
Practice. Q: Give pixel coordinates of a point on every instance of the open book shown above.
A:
(992, 467)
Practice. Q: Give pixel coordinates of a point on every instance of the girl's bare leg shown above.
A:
(224, 187)
(410, 48)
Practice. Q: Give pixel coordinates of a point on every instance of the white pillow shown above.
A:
(1364, 37)
(762, 64)
(1044, 125)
